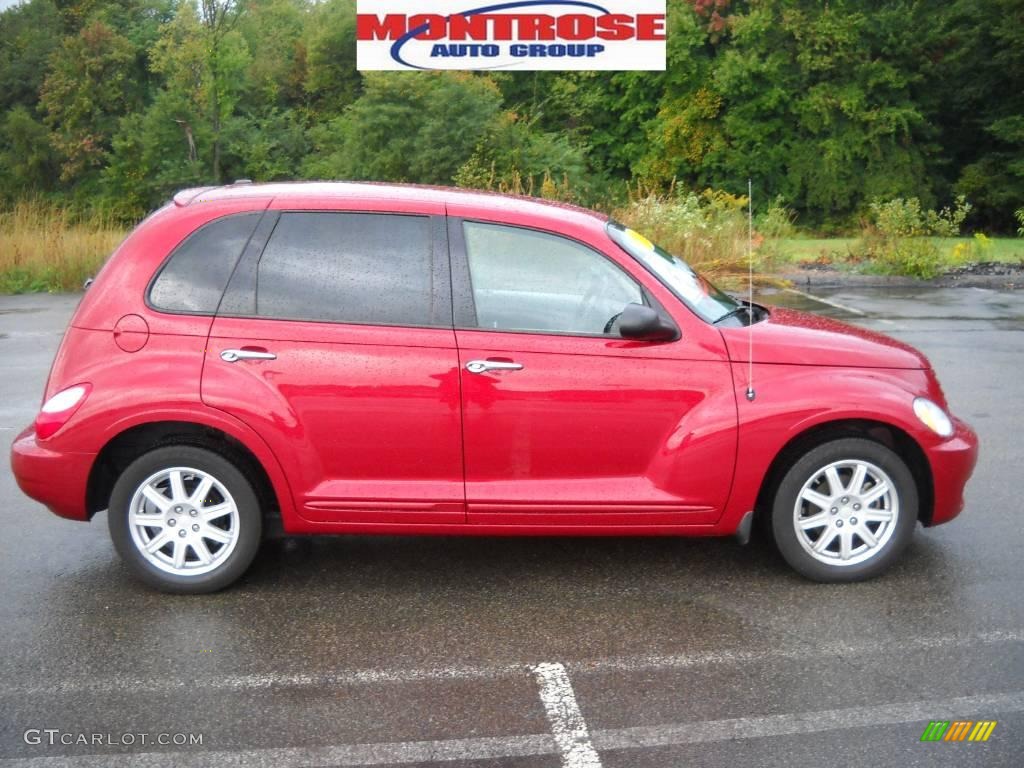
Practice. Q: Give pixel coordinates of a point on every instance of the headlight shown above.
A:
(933, 417)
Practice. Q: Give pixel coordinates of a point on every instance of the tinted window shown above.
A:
(532, 281)
(347, 267)
(194, 278)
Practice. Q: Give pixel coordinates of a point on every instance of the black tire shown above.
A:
(804, 470)
(249, 520)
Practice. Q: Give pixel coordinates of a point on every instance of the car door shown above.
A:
(335, 343)
(565, 423)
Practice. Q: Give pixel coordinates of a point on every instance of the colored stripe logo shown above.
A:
(982, 730)
(958, 730)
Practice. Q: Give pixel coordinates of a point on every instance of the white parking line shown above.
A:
(810, 722)
(567, 723)
(829, 302)
(642, 737)
(401, 753)
(90, 683)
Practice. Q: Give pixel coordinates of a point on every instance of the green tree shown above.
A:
(332, 80)
(203, 60)
(406, 127)
(273, 31)
(514, 153)
(75, 13)
(815, 102)
(179, 138)
(226, 59)
(980, 106)
(142, 22)
(154, 153)
(29, 33)
(860, 133)
(26, 155)
(266, 147)
(602, 114)
(87, 89)
(828, 105)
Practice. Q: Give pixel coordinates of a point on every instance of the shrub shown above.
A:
(1019, 213)
(707, 229)
(512, 181)
(905, 218)
(774, 225)
(983, 246)
(897, 239)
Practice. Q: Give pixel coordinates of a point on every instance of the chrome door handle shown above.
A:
(234, 355)
(483, 366)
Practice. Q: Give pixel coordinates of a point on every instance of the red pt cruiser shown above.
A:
(356, 358)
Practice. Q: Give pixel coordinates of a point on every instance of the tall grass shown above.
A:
(44, 248)
(708, 229)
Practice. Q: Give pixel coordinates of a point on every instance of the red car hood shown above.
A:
(798, 338)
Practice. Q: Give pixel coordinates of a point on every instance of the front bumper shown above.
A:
(952, 462)
(58, 480)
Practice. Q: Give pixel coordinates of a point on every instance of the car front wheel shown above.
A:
(845, 511)
(185, 520)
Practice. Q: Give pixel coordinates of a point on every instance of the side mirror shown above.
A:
(642, 323)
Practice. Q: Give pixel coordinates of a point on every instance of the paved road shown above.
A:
(571, 652)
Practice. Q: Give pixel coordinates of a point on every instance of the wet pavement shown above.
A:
(534, 652)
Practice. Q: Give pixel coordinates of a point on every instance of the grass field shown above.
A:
(840, 250)
(47, 249)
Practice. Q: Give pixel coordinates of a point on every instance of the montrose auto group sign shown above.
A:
(514, 36)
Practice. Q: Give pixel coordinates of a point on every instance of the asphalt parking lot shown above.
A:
(534, 652)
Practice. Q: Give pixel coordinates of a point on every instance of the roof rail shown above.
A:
(186, 196)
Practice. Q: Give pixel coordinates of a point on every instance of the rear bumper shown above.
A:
(56, 479)
(952, 462)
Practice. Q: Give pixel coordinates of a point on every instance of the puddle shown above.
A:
(803, 302)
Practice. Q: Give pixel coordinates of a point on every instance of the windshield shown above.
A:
(691, 288)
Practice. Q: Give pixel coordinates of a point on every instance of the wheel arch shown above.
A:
(135, 441)
(886, 434)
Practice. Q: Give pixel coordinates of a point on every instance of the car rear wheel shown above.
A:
(185, 520)
(845, 511)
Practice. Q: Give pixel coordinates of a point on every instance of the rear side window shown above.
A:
(364, 268)
(194, 277)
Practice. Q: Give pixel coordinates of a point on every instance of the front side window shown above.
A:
(194, 277)
(524, 280)
(696, 291)
(364, 268)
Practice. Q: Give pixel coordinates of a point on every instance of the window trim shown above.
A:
(260, 214)
(245, 281)
(464, 302)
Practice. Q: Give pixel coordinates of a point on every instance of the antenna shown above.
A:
(750, 291)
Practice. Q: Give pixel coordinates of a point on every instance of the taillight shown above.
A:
(58, 409)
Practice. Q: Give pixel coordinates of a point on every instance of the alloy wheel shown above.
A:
(846, 512)
(183, 521)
